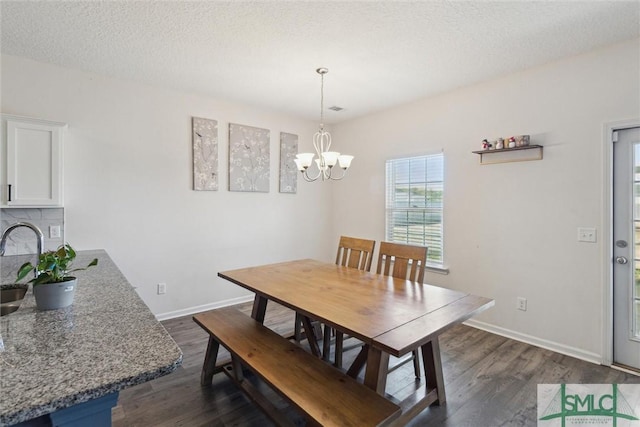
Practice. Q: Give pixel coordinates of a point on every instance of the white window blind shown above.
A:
(414, 190)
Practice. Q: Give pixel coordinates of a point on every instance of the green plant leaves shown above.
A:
(25, 269)
(53, 266)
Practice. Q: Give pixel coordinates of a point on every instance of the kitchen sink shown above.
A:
(13, 293)
(8, 308)
(11, 297)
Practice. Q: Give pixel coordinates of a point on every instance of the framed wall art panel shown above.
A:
(288, 170)
(248, 158)
(205, 154)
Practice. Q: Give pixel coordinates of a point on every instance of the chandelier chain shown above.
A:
(321, 101)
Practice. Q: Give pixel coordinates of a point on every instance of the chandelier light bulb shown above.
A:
(345, 161)
(330, 158)
(305, 160)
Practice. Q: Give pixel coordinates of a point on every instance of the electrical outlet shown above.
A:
(587, 234)
(54, 231)
(521, 304)
(162, 288)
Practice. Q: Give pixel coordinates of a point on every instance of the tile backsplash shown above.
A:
(22, 240)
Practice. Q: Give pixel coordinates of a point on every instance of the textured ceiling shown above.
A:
(379, 54)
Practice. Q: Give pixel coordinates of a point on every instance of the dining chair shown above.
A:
(408, 261)
(403, 262)
(354, 253)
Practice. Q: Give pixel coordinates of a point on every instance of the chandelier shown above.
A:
(326, 160)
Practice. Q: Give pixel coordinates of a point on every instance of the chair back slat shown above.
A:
(355, 253)
(408, 261)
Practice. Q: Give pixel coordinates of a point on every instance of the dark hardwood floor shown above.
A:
(490, 380)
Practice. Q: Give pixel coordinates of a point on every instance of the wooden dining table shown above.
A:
(390, 316)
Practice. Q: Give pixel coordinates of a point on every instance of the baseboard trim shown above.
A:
(205, 307)
(626, 369)
(508, 333)
(538, 342)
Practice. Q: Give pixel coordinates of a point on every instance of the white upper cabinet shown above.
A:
(32, 162)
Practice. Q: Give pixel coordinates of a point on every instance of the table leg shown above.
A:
(209, 365)
(359, 362)
(433, 369)
(375, 377)
(326, 343)
(339, 349)
(259, 308)
(311, 336)
(297, 328)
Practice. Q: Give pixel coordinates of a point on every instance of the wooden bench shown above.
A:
(325, 395)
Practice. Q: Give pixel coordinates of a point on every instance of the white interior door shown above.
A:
(626, 248)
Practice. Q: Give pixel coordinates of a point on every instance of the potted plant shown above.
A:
(53, 287)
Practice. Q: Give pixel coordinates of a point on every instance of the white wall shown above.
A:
(128, 184)
(510, 229)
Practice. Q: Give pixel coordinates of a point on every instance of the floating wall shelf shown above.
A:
(506, 155)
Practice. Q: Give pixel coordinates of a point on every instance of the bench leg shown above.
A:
(433, 369)
(209, 365)
(237, 368)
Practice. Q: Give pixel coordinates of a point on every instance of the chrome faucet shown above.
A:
(39, 235)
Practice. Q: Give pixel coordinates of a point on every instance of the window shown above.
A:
(415, 187)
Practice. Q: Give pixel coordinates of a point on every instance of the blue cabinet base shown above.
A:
(95, 413)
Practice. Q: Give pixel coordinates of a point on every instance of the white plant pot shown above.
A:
(52, 296)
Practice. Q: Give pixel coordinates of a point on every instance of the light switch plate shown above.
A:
(587, 234)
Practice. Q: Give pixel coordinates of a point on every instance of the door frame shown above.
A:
(607, 234)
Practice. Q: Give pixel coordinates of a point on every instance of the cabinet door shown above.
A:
(34, 164)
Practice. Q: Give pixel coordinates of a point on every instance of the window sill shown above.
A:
(438, 269)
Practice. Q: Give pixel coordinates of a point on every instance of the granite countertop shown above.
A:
(107, 340)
